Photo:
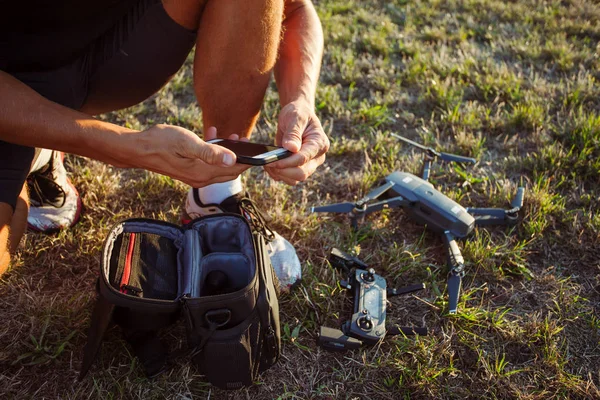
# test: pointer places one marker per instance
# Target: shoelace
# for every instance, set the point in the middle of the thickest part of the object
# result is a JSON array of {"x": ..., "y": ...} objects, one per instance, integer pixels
[
  {"x": 41, "y": 195},
  {"x": 252, "y": 213}
]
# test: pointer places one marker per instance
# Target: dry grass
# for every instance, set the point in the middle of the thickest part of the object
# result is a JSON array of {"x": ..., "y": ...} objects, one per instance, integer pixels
[{"x": 514, "y": 84}]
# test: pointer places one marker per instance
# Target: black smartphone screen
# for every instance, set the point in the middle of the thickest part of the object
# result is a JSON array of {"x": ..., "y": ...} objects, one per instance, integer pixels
[
  {"x": 246, "y": 149},
  {"x": 253, "y": 153}
]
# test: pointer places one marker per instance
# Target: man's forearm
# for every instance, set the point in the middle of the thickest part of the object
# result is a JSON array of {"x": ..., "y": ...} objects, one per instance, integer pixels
[
  {"x": 300, "y": 53},
  {"x": 28, "y": 119}
]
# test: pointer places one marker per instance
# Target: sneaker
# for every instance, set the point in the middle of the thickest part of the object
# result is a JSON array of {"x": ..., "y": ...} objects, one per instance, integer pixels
[
  {"x": 281, "y": 252},
  {"x": 54, "y": 201}
]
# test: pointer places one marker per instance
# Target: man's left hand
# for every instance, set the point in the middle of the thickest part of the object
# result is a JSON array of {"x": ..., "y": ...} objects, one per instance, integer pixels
[{"x": 299, "y": 131}]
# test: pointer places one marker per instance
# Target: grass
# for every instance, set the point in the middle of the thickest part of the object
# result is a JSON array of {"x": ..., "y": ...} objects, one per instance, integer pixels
[{"x": 514, "y": 84}]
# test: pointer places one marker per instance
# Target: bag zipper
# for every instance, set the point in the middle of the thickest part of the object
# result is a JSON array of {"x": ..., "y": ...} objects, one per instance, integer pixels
[
  {"x": 186, "y": 310},
  {"x": 127, "y": 268},
  {"x": 271, "y": 342}
]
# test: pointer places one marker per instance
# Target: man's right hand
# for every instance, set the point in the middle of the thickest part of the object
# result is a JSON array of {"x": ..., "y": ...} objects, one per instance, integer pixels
[{"x": 181, "y": 154}]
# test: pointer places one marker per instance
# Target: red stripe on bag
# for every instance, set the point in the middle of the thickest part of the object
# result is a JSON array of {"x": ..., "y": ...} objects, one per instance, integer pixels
[{"x": 127, "y": 267}]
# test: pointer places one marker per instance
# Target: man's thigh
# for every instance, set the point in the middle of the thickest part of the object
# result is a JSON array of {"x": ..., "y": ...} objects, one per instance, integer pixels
[
  {"x": 124, "y": 66},
  {"x": 135, "y": 58},
  {"x": 127, "y": 64}
]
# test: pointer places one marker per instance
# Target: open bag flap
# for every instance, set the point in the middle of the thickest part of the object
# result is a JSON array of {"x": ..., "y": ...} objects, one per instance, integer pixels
[{"x": 158, "y": 248}]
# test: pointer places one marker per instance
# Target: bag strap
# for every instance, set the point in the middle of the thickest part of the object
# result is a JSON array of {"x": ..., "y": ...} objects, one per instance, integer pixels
[
  {"x": 264, "y": 299},
  {"x": 206, "y": 334},
  {"x": 101, "y": 318}
]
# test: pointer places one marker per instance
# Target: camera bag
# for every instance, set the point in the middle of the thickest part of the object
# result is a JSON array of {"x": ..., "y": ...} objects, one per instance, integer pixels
[{"x": 214, "y": 273}]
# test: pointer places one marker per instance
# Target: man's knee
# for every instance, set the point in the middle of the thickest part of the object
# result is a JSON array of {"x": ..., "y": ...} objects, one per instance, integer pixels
[
  {"x": 247, "y": 33},
  {"x": 185, "y": 12}
]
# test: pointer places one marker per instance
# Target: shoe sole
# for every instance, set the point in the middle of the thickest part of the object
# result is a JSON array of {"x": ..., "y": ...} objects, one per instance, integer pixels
[{"x": 75, "y": 220}]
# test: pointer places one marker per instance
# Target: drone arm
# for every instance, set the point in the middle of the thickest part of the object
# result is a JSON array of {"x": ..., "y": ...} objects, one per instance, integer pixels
[
  {"x": 498, "y": 216},
  {"x": 375, "y": 193},
  {"x": 405, "y": 330},
  {"x": 456, "y": 273},
  {"x": 345, "y": 262},
  {"x": 405, "y": 290},
  {"x": 490, "y": 212},
  {"x": 489, "y": 216},
  {"x": 394, "y": 202}
]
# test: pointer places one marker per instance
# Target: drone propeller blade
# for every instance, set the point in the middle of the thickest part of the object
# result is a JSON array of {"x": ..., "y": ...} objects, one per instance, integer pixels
[
  {"x": 335, "y": 208},
  {"x": 454, "y": 284},
  {"x": 517, "y": 202},
  {"x": 375, "y": 193},
  {"x": 418, "y": 145},
  {"x": 432, "y": 152},
  {"x": 455, "y": 158},
  {"x": 457, "y": 271}
]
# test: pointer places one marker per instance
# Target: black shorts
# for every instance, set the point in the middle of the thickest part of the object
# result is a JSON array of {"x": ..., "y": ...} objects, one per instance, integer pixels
[{"x": 127, "y": 64}]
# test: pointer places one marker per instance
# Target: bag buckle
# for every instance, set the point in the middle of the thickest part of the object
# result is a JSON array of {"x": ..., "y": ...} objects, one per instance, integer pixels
[{"x": 218, "y": 318}]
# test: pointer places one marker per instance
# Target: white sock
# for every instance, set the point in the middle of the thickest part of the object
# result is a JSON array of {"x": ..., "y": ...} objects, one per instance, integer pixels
[
  {"x": 42, "y": 160},
  {"x": 217, "y": 192}
]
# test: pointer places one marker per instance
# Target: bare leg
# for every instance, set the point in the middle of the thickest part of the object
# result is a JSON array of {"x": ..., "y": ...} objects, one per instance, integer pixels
[
  {"x": 6, "y": 214},
  {"x": 236, "y": 51},
  {"x": 12, "y": 227}
]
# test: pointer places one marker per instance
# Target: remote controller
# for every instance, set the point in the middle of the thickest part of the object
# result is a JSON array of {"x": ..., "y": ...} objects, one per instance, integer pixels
[
  {"x": 367, "y": 324},
  {"x": 368, "y": 320}
]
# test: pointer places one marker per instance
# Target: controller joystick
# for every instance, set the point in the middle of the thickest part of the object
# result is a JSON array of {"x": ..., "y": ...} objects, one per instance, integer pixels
[
  {"x": 365, "y": 323},
  {"x": 368, "y": 276}
]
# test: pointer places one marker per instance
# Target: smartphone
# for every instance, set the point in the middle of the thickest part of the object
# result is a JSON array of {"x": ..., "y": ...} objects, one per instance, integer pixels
[{"x": 253, "y": 153}]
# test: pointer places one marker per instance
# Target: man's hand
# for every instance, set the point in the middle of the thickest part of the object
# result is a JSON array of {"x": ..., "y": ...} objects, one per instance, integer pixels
[
  {"x": 180, "y": 154},
  {"x": 300, "y": 131}
]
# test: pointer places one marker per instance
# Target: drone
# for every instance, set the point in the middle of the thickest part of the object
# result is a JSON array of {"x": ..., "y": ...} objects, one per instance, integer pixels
[{"x": 428, "y": 206}]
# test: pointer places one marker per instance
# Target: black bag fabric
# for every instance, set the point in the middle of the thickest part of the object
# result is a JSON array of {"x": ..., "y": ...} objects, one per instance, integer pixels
[{"x": 213, "y": 273}]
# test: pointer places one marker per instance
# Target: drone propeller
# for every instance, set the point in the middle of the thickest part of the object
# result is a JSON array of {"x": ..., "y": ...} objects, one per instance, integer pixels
[
  {"x": 335, "y": 208},
  {"x": 456, "y": 158},
  {"x": 360, "y": 204},
  {"x": 456, "y": 273},
  {"x": 454, "y": 284},
  {"x": 433, "y": 153},
  {"x": 517, "y": 202}
]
